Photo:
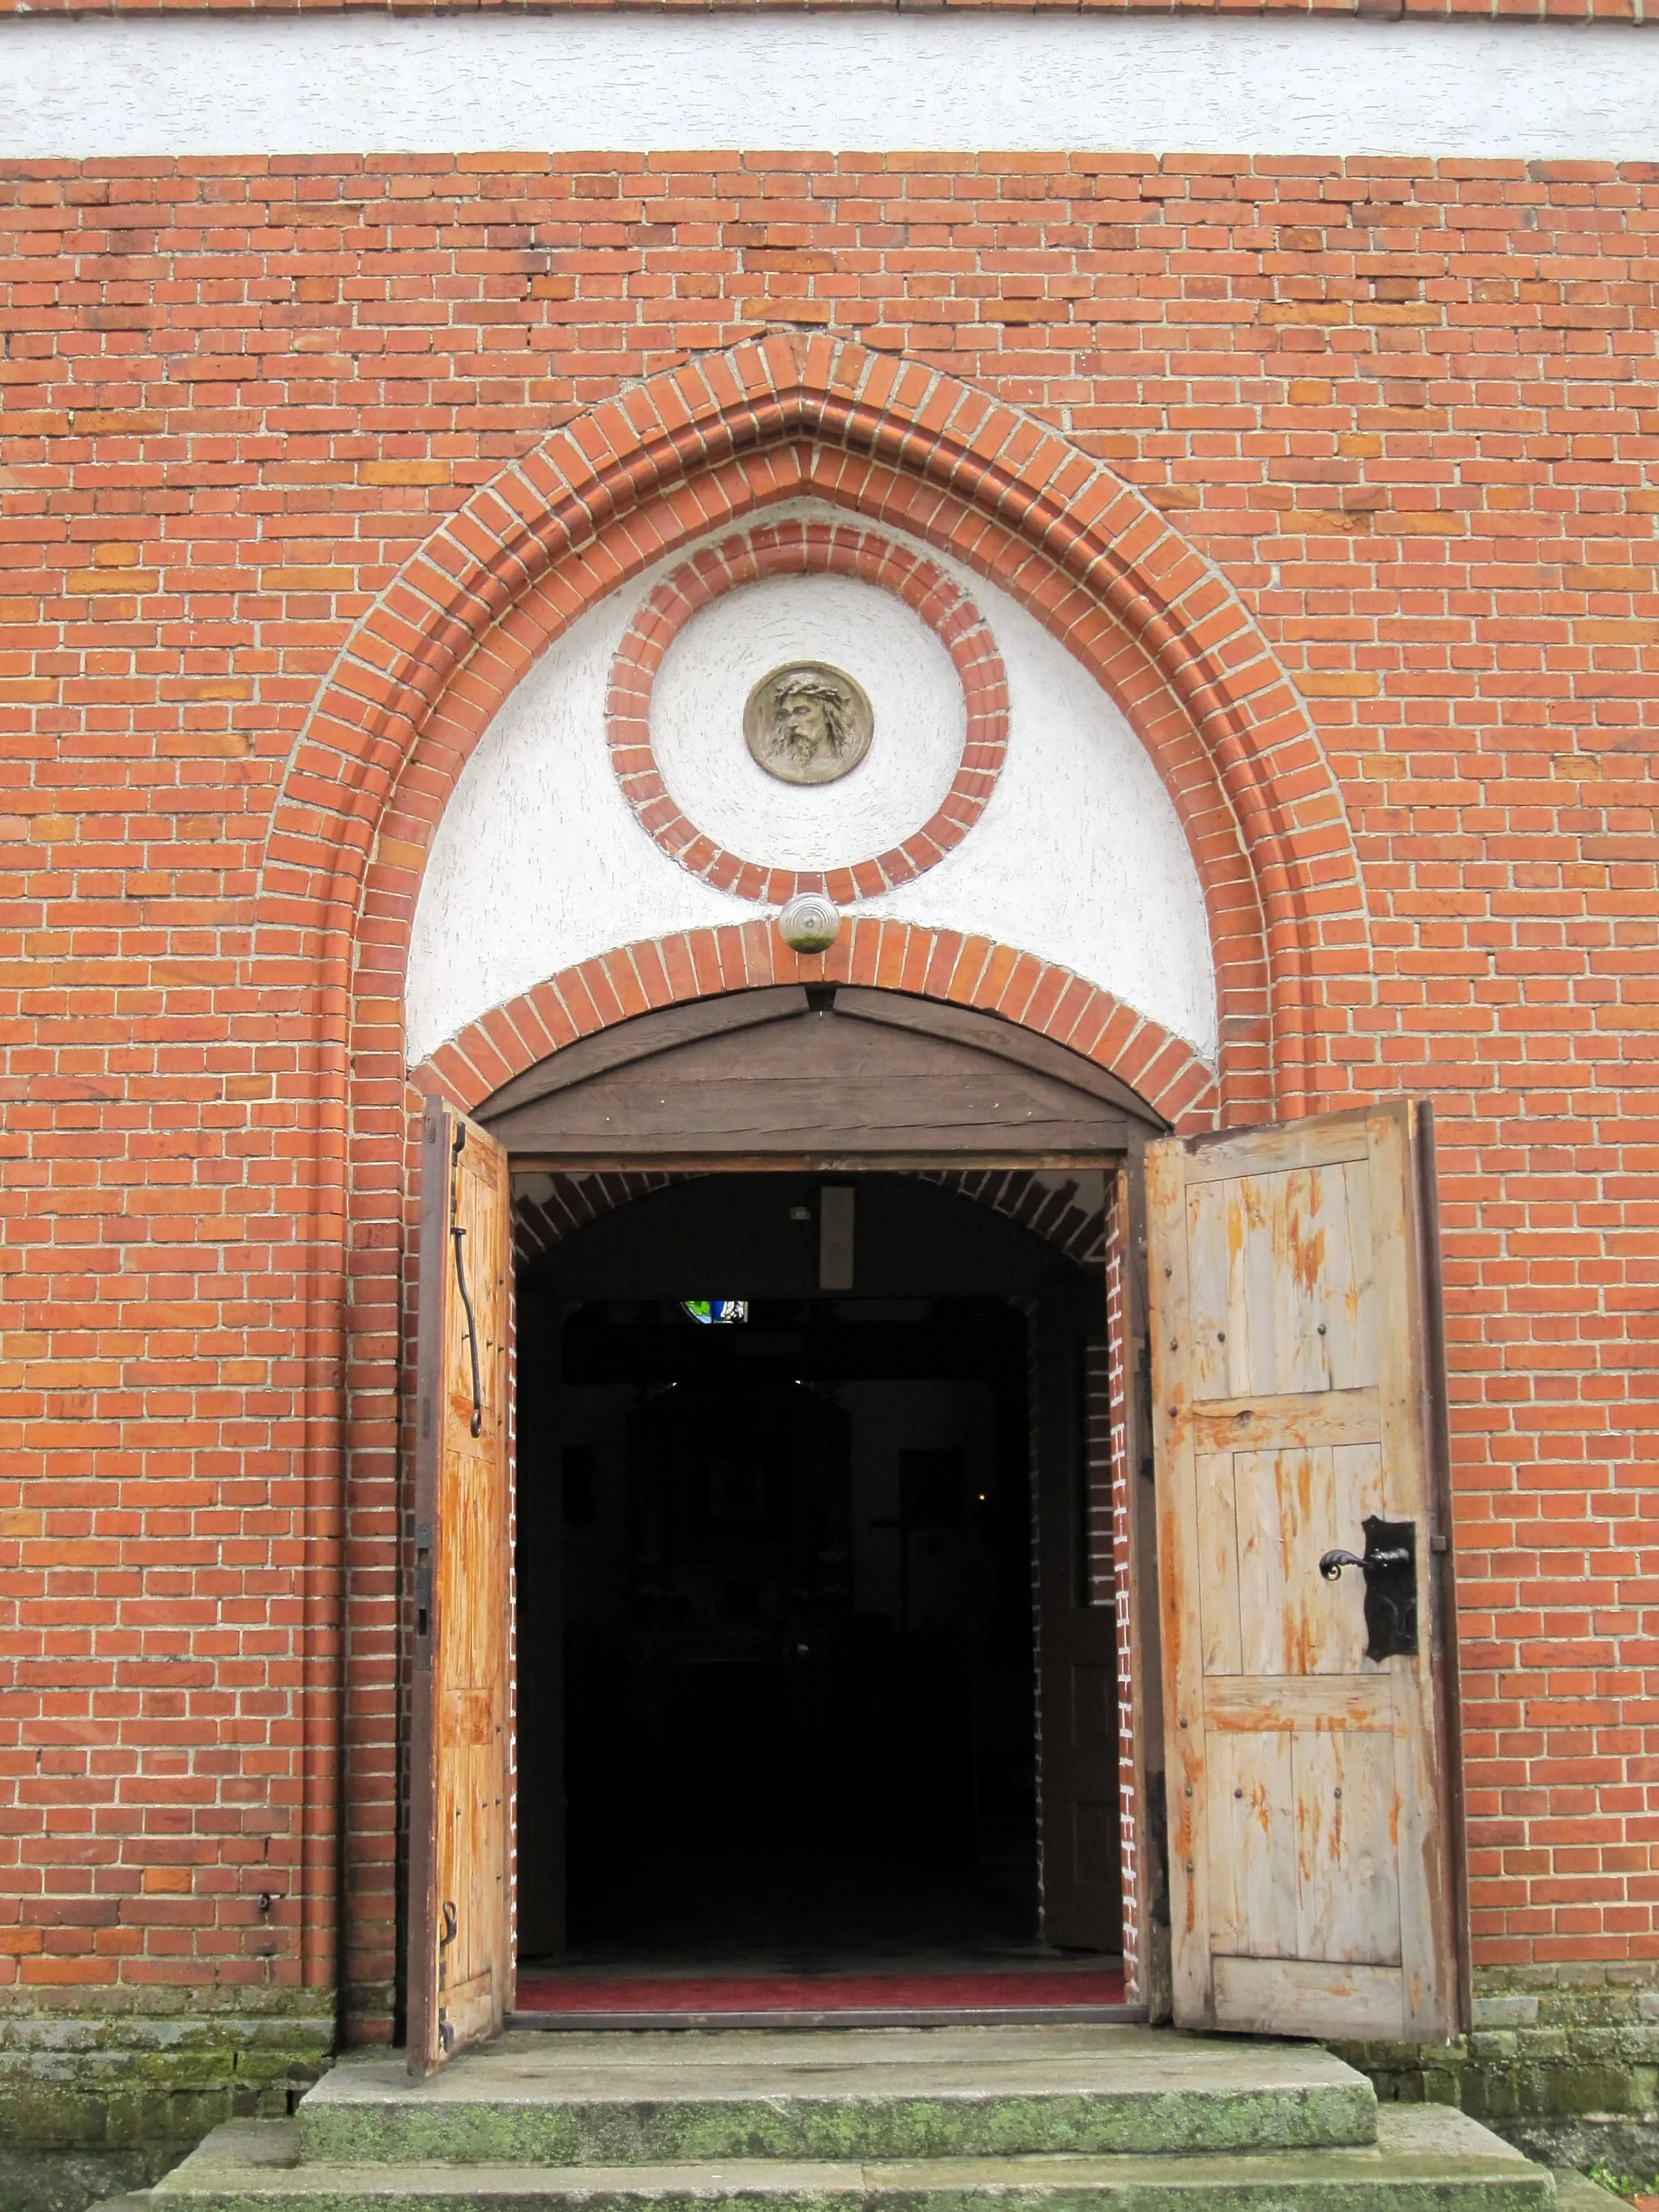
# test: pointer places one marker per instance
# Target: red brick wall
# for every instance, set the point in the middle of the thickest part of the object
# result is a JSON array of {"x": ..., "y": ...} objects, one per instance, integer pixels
[{"x": 1407, "y": 414}]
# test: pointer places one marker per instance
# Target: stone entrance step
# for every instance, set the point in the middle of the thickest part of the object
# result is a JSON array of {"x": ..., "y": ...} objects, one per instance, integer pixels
[
  {"x": 1426, "y": 2158},
  {"x": 859, "y": 2094},
  {"x": 1104, "y": 2119}
]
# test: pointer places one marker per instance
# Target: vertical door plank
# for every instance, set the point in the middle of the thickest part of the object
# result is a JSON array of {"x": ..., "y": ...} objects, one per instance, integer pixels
[
  {"x": 1255, "y": 1286},
  {"x": 1301, "y": 1282},
  {"x": 1217, "y": 1563},
  {"x": 1350, "y": 1307},
  {"x": 1172, "y": 1263},
  {"x": 1258, "y": 1481},
  {"x": 1214, "y": 1345},
  {"x": 1347, "y": 1899},
  {"x": 1138, "y": 1569},
  {"x": 1405, "y": 1414},
  {"x": 1253, "y": 1900}
]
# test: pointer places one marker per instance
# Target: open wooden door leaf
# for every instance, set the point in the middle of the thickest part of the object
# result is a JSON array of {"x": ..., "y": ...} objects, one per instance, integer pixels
[
  {"x": 1298, "y": 1417},
  {"x": 460, "y": 1934}
]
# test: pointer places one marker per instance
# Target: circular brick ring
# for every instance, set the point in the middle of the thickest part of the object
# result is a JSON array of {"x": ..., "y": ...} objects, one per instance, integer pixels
[{"x": 808, "y": 548}]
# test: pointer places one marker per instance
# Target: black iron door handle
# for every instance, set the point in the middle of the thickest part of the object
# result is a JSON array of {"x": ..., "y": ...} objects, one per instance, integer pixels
[
  {"x": 1390, "y": 1567},
  {"x": 1331, "y": 1564}
]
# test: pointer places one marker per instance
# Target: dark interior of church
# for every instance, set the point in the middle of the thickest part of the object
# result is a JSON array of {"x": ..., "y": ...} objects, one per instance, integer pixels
[
  {"x": 798, "y": 1628},
  {"x": 774, "y": 1557}
]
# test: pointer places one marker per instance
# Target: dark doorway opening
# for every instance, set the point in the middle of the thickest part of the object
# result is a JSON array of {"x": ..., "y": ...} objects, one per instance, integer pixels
[
  {"x": 799, "y": 1676},
  {"x": 780, "y": 1588}
]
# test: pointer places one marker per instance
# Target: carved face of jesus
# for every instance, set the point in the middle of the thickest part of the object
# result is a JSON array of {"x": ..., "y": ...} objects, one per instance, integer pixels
[{"x": 808, "y": 725}]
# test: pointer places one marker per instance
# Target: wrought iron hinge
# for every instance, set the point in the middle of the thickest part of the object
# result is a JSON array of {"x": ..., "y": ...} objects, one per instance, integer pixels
[
  {"x": 423, "y": 1579},
  {"x": 457, "y": 1234}
]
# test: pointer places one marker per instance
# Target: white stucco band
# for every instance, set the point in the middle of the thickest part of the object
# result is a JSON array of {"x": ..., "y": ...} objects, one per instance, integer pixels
[
  {"x": 538, "y": 863},
  {"x": 657, "y": 81}
]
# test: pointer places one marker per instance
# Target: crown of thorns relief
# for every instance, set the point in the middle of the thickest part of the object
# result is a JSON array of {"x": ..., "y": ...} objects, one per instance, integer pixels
[{"x": 807, "y": 722}]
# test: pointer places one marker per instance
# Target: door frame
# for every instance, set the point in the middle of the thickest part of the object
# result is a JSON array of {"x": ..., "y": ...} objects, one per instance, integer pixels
[{"x": 1108, "y": 1134}]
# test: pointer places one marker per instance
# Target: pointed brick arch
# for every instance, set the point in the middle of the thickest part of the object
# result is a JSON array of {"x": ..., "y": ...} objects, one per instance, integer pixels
[
  {"x": 657, "y": 467},
  {"x": 681, "y": 454}
]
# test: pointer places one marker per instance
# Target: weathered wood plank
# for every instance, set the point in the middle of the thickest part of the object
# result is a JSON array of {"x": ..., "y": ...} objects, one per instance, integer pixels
[
  {"x": 1138, "y": 1568},
  {"x": 1180, "y": 1621},
  {"x": 1280, "y": 1423},
  {"x": 1248, "y": 1703},
  {"x": 1301, "y": 1296},
  {"x": 1322, "y": 1141},
  {"x": 1428, "y": 1942},
  {"x": 1217, "y": 1564},
  {"x": 804, "y": 1081},
  {"x": 1256, "y": 1288},
  {"x": 1205, "y": 1329},
  {"x": 1351, "y": 1300},
  {"x": 1347, "y": 1886},
  {"x": 1297, "y": 1996},
  {"x": 1253, "y": 1899}
]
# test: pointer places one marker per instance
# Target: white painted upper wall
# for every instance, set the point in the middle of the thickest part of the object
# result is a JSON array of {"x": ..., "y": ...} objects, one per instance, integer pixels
[
  {"x": 643, "y": 83},
  {"x": 539, "y": 863}
]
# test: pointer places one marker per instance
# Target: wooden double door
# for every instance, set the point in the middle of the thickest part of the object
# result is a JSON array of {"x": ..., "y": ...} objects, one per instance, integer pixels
[{"x": 1291, "y": 1802}]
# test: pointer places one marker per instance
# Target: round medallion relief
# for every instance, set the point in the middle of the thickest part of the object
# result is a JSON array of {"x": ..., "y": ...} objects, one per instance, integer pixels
[{"x": 807, "y": 722}]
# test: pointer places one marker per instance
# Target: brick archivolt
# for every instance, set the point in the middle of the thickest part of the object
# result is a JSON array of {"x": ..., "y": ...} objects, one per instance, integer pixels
[{"x": 682, "y": 454}]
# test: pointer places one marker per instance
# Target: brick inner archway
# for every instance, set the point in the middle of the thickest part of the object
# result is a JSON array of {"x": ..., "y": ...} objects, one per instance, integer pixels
[{"x": 894, "y": 956}]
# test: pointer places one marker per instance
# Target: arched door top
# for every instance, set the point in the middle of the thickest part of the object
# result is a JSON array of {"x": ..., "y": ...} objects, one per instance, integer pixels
[
  {"x": 814, "y": 1076},
  {"x": 1043, "y": 1004}
]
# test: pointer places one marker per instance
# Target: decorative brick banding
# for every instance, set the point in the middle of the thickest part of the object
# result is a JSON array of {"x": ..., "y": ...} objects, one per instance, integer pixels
[{"x": 808, "y": 548}]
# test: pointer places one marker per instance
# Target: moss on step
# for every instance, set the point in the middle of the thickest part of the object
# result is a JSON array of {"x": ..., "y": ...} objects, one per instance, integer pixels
[
  {"x": 1561, "y": 2060},
  {"x": 1428, "y": 2160},
  {"x": 91, "y": 2104},
  {"x": 594, "y": 2099}
]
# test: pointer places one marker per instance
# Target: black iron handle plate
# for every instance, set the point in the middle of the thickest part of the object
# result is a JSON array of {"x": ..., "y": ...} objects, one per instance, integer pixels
[{"x": 1390, "y": 1567}]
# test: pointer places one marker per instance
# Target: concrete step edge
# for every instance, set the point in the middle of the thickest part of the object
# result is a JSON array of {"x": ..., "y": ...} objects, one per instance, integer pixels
[
  {"x": 606, "y": 2101},
  {"x": 1428, "y": 2159},
  {"x": 577, "y": 2132}
]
